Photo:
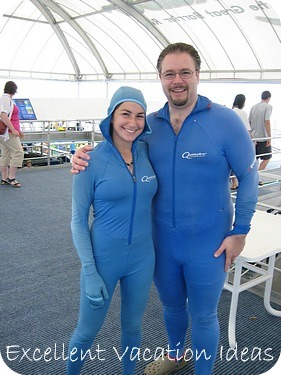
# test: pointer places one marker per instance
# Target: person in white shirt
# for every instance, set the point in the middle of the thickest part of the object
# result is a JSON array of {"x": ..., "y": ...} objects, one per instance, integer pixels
[
  {"x": 259, "y": 119},
  {"x": 238, "y": 105}
]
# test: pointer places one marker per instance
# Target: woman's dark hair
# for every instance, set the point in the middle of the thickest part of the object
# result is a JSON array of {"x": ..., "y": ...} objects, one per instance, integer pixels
[
  {"x": 10, "y": 88},
  {"x": 179, "y": 48},
  {"x": 239, "y": 101}
]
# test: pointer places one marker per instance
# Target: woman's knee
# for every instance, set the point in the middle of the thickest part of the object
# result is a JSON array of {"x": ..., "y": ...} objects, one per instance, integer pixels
[
  {"x": 84, "y": 335},
  {"x": 17, "y": 159},
  {"x": 176, "y": 310},
  {"x": 132, "y": 324}
]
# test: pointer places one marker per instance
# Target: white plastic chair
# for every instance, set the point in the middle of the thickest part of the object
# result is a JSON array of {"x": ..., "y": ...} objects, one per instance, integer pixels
[{"x": 262, "y": 243}]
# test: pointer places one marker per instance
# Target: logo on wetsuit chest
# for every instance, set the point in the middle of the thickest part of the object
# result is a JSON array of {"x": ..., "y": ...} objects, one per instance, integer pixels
[
  {"x": 192, "y": 155},
  {"x": 148, "y": 178}
]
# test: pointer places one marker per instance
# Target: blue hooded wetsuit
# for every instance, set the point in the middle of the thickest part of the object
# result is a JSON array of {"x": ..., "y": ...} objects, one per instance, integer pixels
[
  {"x": 118, "y": 244},
  {"x": 193, "y": 213}
]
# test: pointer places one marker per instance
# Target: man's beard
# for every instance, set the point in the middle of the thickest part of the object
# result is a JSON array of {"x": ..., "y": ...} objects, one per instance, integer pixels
[{"x": 179, "y": 102}]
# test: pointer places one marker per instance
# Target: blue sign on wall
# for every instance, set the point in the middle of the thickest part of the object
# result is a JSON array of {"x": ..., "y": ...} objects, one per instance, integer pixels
[{"x": 26, "y": 111}]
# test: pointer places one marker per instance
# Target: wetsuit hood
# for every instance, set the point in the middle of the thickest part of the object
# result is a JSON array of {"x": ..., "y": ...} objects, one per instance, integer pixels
[{"x": 123, "y": 94}]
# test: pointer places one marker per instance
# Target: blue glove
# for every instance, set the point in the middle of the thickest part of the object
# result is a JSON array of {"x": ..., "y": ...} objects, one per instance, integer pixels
[{"x": 95, "y": 289}]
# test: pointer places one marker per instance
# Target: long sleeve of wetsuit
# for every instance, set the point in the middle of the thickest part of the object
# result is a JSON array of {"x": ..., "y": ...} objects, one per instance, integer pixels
[
  {"x": 241, "y": 156},
  {"x": 82, "y": 196}
]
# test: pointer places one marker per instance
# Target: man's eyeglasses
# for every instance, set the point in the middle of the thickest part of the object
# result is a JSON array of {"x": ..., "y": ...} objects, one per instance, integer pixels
[{"x": 184, "y": 74}]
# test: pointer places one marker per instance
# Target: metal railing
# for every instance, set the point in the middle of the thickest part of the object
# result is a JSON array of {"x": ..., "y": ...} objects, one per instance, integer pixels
[{"x": 51, "y": 145}]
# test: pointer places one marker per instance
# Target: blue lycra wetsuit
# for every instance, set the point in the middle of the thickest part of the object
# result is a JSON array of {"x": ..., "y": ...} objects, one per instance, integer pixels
[
  {"x": 119, "y": 242},
  {"x": 193, "y": 213}
]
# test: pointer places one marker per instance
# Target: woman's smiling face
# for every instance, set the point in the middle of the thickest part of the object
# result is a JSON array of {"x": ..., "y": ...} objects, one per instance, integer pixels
[{"x": 128, "y": 122}]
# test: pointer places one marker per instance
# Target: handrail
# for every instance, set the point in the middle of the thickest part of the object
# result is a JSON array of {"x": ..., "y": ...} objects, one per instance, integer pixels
[
  {"x": 49, "y": 137},
  {"x": 272, "y": 146},
  {"x": 44, "y": 139}
]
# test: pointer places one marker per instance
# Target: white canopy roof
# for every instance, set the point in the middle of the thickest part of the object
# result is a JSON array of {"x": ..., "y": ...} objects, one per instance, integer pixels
[{"x": 121, "y": 39}]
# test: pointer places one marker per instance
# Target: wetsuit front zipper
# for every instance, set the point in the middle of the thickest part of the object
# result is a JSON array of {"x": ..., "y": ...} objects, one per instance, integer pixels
[
  {"x": 133, "y": 208},
  {"x": 174, "y": 181},
  {"x": 176, "y": 137}
]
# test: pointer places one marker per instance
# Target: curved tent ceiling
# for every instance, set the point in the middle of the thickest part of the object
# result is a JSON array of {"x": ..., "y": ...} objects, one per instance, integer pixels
[{"x": 121, "y": 39}]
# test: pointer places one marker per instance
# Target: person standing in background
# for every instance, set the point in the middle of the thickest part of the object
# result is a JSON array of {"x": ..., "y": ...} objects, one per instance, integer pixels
[
  {"x": 11, "y": 148},
  {"x": 259, "y": 119},
  {"x": 238, "y": 105},
  {"x": 72, "y": 149}
]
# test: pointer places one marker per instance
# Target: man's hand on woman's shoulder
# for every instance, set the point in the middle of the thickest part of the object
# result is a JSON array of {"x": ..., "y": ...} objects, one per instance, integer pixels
[{"x": 79, "y": 159}]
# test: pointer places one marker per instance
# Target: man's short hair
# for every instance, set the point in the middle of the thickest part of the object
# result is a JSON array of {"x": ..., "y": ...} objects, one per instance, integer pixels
[
  {"x": 265, "y": 95},
  {"x": 179, "y": 48}
]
